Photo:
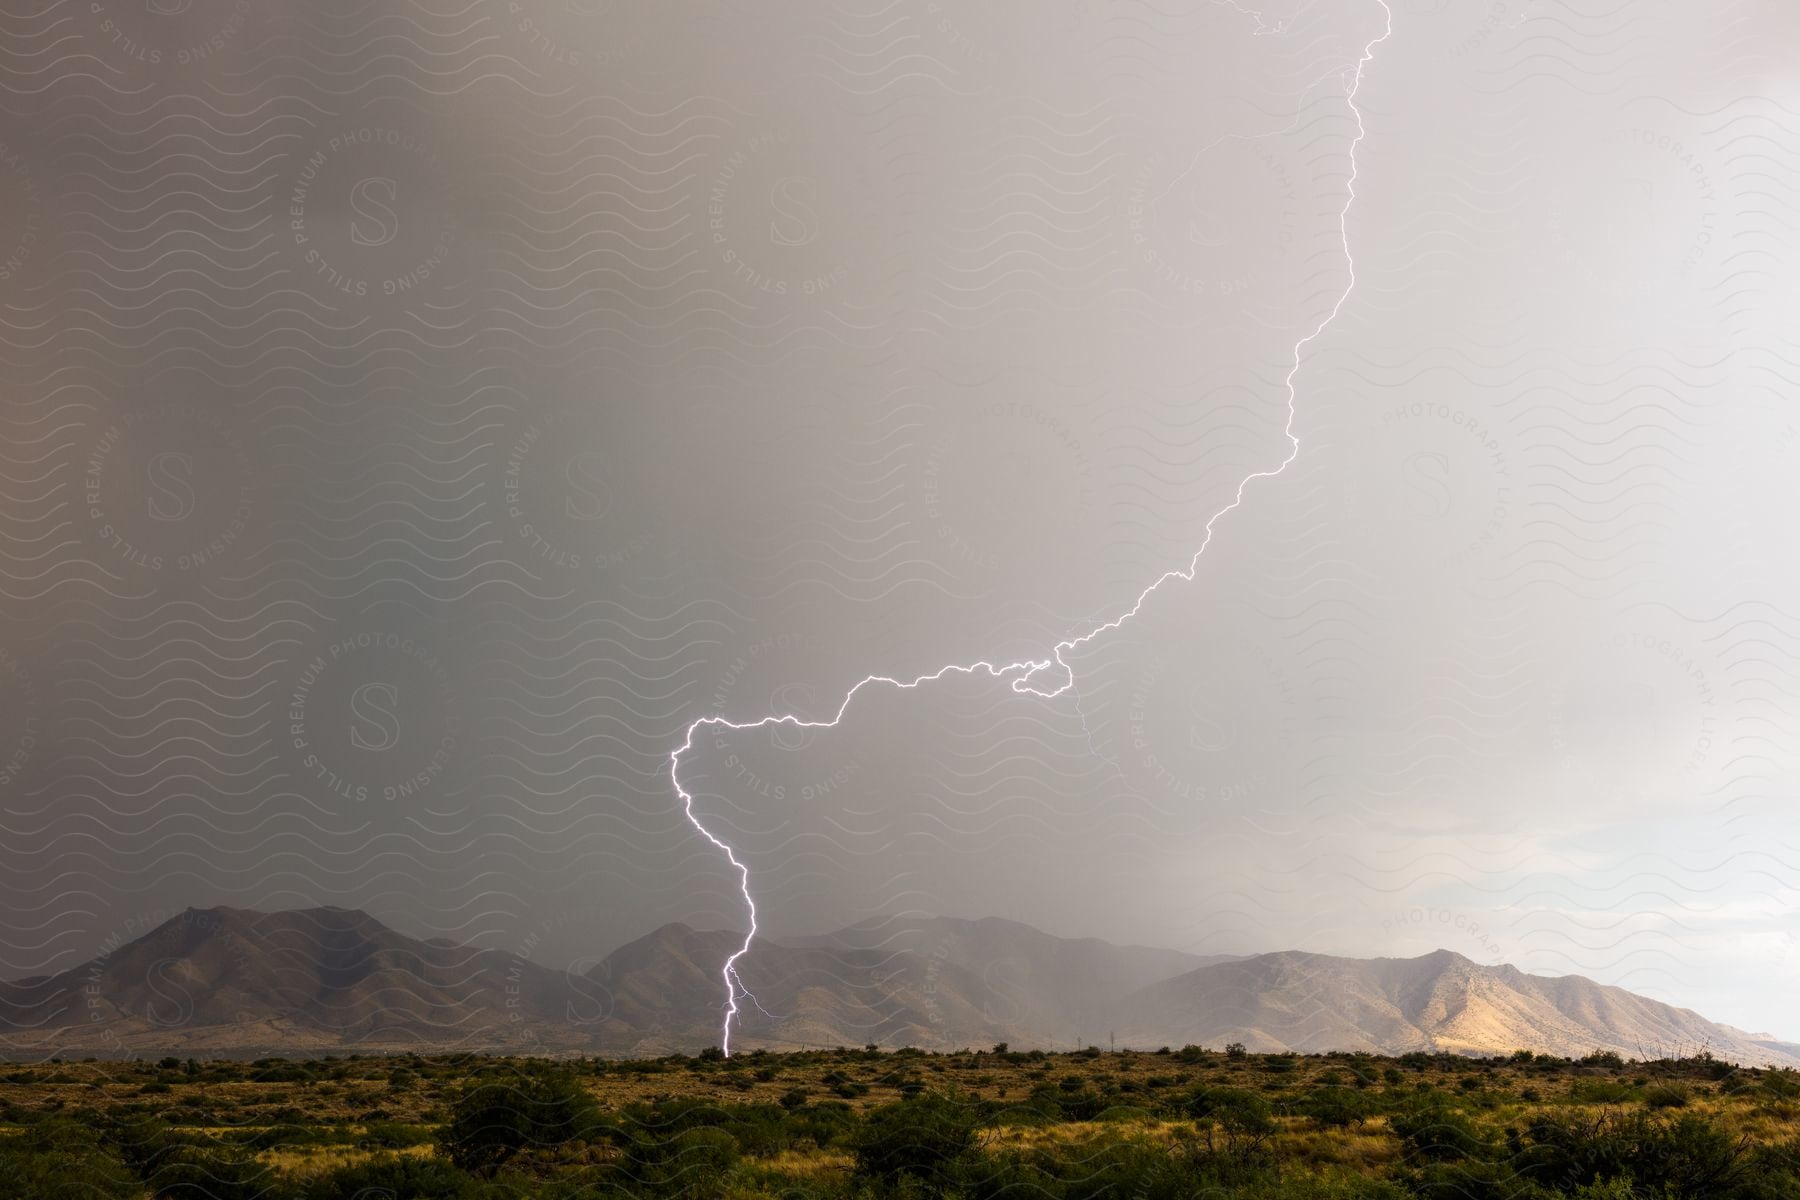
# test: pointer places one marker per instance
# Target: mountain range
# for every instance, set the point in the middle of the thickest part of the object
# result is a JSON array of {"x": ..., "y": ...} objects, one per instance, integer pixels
[{"x": 224, "y": 981}]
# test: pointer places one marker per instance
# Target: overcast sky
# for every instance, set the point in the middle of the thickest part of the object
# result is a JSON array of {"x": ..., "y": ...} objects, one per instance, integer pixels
[{"x": 417, "y": 414}]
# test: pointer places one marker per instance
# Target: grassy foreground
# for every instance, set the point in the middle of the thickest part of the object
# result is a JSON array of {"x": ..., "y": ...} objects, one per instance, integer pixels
[{"x": 867, "y": 1123}]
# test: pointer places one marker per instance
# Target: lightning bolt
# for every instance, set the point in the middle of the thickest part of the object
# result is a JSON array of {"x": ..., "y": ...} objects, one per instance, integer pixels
[{"x": 1029, "y": 670}]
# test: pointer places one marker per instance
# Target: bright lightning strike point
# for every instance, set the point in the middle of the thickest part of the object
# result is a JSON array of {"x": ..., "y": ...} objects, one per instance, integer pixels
[{"x": 1030, "y": 669}]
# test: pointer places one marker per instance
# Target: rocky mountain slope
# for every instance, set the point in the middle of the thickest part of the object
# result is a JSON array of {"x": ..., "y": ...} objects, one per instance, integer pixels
[{"x": 232, "y": 981}]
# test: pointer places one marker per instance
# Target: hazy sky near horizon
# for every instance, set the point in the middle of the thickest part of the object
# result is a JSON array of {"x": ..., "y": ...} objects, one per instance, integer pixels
[{"x": 418, "y": 413}]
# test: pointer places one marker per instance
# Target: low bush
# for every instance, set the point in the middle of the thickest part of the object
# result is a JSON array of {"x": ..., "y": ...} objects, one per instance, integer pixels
[{"x": 927, "y": 1139}]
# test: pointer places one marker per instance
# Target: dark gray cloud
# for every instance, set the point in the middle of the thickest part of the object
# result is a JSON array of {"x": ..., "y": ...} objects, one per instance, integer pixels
[{"x": 417, "y": 415}]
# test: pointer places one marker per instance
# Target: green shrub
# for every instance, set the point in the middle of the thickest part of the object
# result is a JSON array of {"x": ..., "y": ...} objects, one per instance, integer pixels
[
  {"x": 176, "y": 1164},
  {"x": 1233, "y": 1122},
  {"x": 1335, "y": 1107},
  {"x": 1063, "y": 1103},
  {"x": 1600, "y": 1091},
  {"x": 1127, "y": 1167},
  {"x": 1689, "y": 1155},
  {"x": 192, "y": 1173},
  {"x": 685, "y": 1163},
  {"x": 1472, "y": 1179},
  {"x": 1781, "y": 1083},
  {"x": 408, "y": 1176},
  {"x": 496, "y": 1119},
  {"x": 1773, "y": 1173},
  {"x": 1619, "y": 1188},
  {"x": 62, "y": 1159},
  {"x": 925, "y": 1138},
  {"x": 391, "y": 1135},
  {"x": 1005, "y": 1176},
  {"x": 823, "y": 1124},
  {"x": 282, "y": 1072},
  {"x": 1434, "y": 1132}
]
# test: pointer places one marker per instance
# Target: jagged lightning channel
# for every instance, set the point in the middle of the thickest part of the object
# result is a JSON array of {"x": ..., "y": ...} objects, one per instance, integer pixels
[{"x": 1028, "y": 670}]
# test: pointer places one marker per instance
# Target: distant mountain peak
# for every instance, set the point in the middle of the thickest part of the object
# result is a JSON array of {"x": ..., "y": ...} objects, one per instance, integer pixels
[{"x": 225, "y": 979}]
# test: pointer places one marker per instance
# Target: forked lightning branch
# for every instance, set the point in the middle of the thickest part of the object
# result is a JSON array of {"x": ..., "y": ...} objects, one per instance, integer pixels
[{"x": 1048, "y": 677}]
